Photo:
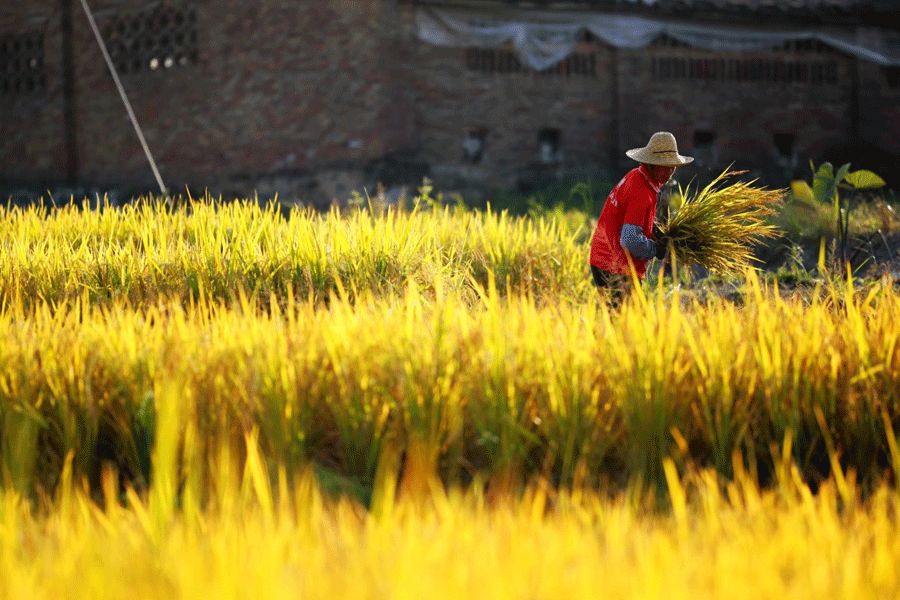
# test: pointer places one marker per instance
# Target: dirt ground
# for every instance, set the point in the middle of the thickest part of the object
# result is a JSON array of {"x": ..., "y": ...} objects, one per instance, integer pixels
[{"x": 871, "y": 256}]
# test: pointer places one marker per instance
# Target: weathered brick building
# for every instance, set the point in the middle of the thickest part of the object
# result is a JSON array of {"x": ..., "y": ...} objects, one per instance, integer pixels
[{"x": 314, "y": 98}]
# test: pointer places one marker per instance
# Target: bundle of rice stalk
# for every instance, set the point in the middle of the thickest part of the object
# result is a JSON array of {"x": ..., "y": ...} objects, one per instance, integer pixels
[{"x": 717, "y": 226}]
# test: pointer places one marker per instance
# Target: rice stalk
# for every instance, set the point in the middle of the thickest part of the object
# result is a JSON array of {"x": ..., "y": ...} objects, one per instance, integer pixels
[{"x": 717, "y": 226}]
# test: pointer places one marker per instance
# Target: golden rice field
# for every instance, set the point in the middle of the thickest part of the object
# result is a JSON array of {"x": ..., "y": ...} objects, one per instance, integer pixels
[
  {"x": 228, "y": 401},
  {"x": 146, "y": 252}
]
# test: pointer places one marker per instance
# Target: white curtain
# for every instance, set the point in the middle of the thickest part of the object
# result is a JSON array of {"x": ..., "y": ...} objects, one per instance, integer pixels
[{"x": 543, "y": 38}]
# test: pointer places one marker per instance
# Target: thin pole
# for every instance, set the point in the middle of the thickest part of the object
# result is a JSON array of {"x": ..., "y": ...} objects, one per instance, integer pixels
[{"x": 124, "y": 96}]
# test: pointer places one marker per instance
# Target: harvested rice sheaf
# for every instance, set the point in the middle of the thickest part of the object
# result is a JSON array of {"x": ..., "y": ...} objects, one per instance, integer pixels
[{"x": 717, "y": 226}]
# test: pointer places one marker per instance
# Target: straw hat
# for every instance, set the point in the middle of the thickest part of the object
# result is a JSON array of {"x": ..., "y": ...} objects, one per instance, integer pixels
[{"x": 660, "y": 150}]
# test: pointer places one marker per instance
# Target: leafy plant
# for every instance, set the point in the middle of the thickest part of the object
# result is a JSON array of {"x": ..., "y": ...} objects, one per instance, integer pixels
[{"x": 826, "y": 186}]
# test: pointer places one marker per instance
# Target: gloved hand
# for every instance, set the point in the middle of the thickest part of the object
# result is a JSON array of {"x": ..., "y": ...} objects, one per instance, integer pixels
[
  {"x": 662, "y": 246},
  {"x": 657, "y": 232}
]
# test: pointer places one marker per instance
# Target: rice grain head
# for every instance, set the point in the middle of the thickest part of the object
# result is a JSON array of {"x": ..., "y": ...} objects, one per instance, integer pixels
[{"x": 717, "y": 226}]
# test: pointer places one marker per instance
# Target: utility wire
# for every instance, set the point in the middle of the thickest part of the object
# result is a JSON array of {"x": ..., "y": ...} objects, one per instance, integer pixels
[{"x": 124, "y": 96}]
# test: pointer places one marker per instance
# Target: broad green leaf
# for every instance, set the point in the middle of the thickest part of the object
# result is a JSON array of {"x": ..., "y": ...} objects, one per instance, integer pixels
[
  {"x": 823, "y": 182},
  {"x": 841, "y": 173},
  {"x": 826, "y": 169},
  {"x": 838, "y": 178},
  {"x": 802, "y": 191},
  {"x": 864, "y": 180}
]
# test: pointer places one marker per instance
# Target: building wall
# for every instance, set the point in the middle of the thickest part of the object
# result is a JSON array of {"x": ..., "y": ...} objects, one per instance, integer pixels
[
  {"x": 726, "y": 107},
  {"x": 879, "y": 110},
  {"x": 315, "y": 99},
  {"x": 32, "y": 132},
  {"x": 512, "y": 109},
  {"x": 879, "y": 105},
  {"x": 277, "y": 90}
]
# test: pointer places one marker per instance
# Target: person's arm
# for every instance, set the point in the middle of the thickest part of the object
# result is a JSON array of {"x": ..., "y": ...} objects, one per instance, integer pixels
[{"x": 636, "y": 243}]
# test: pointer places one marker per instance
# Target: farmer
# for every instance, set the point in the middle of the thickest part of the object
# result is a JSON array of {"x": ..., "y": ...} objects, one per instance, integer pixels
[{"x": 625, "y": 236}]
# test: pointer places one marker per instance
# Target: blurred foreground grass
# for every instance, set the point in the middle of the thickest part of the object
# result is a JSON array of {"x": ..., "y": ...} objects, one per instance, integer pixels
[{"x": 712, "y": 540}]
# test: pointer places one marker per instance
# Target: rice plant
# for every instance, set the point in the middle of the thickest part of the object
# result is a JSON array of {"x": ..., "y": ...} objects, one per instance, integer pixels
[
  {"x": 149, "y": 250},
  {"x": 718, "y": 225},
  {"x": 287, "y": 539},
  {"x": 503, "y": 390},
  {"x": 227, "y": 401}
]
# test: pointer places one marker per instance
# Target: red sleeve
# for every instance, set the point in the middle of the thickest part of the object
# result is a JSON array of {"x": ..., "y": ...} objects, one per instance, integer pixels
[{"x": 637, "y": 203}]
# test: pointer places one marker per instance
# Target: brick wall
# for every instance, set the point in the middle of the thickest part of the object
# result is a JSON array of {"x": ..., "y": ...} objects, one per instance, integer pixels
[
  {"x": 32, "y": 131},
  {"x": 457, "y": 93},
  {"x": 768, "y": 111},
  {"x": 318, "y": 98},
  {"x": 879, "y": 108},
  {"x": 880, "y": 105},
  {"x": 278, "y": 90}
]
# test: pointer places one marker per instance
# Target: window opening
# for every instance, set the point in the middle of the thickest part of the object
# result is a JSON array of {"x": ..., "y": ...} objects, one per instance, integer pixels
[
  {"x": 671, "y": 68},
  {"x": 703, "y": 138},
  {"x": 808, "y": 46},
  {"x": 666, "y": 41},
  {"x": 784, "y": 143},
  {"x": 705, "y": 153},
  {"x": 152, "y": 40},
  {"x": 892, "y": 76},
  {"x": 22, "y": 63},
  {"x": 473, "y": 145},
  {"x": 497, "y": 61},
  {"x": 549, "y": 150}
]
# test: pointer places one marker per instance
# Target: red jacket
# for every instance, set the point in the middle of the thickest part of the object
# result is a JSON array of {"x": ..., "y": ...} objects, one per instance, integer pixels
[{"x": 633, "y": 200}]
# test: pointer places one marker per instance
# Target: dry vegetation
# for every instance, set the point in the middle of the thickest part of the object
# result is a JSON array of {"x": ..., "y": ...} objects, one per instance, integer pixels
[{"x": 718, "y": 225}]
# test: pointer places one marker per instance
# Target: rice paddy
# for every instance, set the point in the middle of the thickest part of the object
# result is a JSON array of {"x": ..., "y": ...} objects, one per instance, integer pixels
[{"x": 224, "y": 400}]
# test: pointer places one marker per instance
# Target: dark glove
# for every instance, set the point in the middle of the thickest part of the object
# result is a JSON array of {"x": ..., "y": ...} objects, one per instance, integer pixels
[{"x": 662, "y": 246}]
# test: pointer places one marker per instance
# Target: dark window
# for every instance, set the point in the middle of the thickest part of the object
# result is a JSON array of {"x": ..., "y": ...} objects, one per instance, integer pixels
[
  {"x": 746, "y": 69},
  {"x": 490, "y": 61},
  {"x": 703, "y": 138},
  {"x": 162, "y": 38},
  {"x": 892, "y": 76},
  {"x": 549, "y": 150},
  {"x": 576, "y": 64},
  {"x": 665, "y": 41},
  {"x": 807, "y": 46},
  {"x": 22, "y": 63},
  {"x": 473, "y": 145},
  {"x": 704, "y": 151},
  {"x": 784, "y": 143}
]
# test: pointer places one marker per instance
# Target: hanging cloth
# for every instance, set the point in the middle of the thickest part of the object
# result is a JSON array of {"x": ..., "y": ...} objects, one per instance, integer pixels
[{"x": 543, "y": 38}]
